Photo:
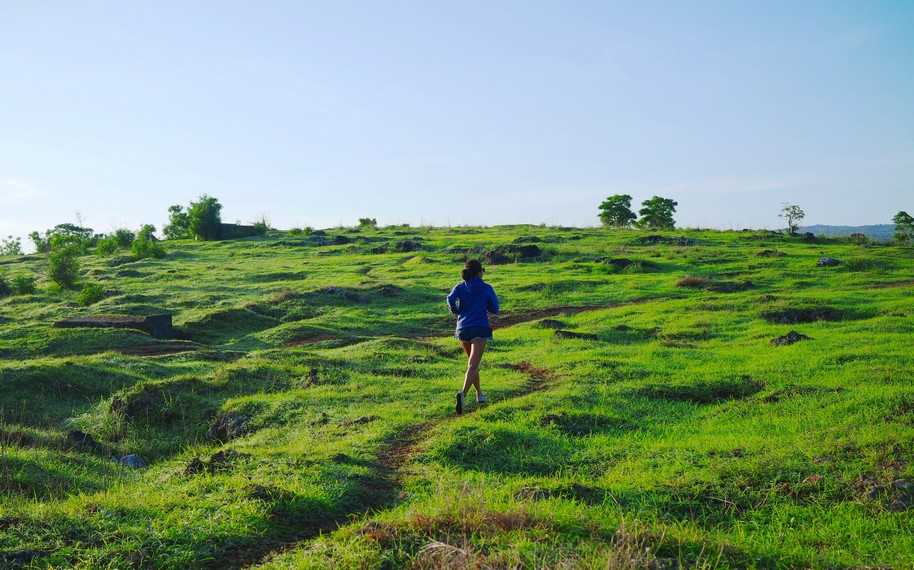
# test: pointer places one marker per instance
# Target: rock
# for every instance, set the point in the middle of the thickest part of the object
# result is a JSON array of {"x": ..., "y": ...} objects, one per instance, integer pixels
[
  {"x": 81, "y": 440},
  {"x": 619, "y": 263},
  {"x": 228, "y": 426},
  {"x": 828, "y": 262},
  {"x": 561, "y": 333},
  {"x": 222, "y": 460},
  {"x": 133, "y": 461},
  {"x": 550, "y": 324},
  {"x": 789, "y": 338},
  {"x": 194, "y": 466}
]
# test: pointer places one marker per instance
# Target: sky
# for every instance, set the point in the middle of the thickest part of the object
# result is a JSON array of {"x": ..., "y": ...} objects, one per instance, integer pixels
[{"x": 423, "y": 112}]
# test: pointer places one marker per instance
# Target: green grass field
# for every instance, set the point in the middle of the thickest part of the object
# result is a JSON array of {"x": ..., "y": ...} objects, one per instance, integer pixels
[{"x": 304, "y": 417}]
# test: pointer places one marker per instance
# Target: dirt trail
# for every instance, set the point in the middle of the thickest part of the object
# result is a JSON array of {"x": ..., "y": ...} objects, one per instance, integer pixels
[{"x": 392, "y": 460}]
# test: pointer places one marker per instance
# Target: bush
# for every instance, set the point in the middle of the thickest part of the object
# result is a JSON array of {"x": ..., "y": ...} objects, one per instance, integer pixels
[
  {"x": 367, "y": 223},
  {"x": 124, "y": 238},
  {"x": 11, "y": 246},
  {"x": 146, "y": 245},
  {"x": 90, "y": 294},
  {"x": 296, "y": 232},
  {"x": 5, "y": 288},
  {"x": 63, "y": 265},
  {"x": 204, "y": 218},
  {"x": 24, "y": 285},
  {"x": 261, "y": 227},
  {"x": 107, "y": 245}
]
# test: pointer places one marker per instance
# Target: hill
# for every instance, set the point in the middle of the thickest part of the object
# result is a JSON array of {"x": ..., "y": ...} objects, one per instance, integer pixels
[
  {"x": 649, "y": 406},
  {"x": 878, "y": 232}
]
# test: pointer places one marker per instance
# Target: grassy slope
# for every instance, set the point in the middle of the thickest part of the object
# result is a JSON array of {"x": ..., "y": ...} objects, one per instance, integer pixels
[{"x": 678, "y": 428}]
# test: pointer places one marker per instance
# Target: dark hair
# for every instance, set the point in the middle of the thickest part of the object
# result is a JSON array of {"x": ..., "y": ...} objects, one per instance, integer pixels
[{"x": 472, "y": 269}]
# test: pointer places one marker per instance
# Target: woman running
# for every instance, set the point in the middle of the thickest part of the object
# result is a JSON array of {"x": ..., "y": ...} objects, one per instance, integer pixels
[{"x": 472, "y": 301}]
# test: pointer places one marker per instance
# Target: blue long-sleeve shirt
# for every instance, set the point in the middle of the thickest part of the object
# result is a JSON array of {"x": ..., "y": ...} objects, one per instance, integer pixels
[{"x": 471, "y": 301}]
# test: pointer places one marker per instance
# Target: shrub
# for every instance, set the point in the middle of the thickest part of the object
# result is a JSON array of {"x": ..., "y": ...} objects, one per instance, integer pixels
[
  {"x": 367, "y": 223},
  {"x": 42, "y": 243},
  {"x": 11, "y": 246},
  {"x": 261, "y": 226},
  {"x": 90, "y": 294},
  {"x": 107, "y": 245},
  {"x": 204, "y": 218},
  {"x": 63, "y": 265},
  {"x": 146, "y": 245},
  {"x": 24, "y": 285},
  {"x": 296, "y": 232},
  {"x": 124, "y": 237},
  {"x": 5, "y": 288}
]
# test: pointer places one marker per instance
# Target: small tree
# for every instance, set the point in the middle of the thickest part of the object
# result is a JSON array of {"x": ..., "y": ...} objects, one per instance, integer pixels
[
  {"x": 792, "y": 214},
  {"x": 11, "y": 246},
  {"x": 124, "y": 237},
  {"x": 63, "y": 265},
  {"x": 657, "y": 213},
  {"x": 178, "y": 224},
  {"x": 616, "y": 211},
  {"x": 204, "y": 218},
  {"x": 107, "y": 245},
  {"x": 904, "y": 227},
  {"x": 24, "y": 285},
  {"x": 368, "y": 223},
  {"x": 146, "y": 245},
  {"x": 41, "y": 242}
]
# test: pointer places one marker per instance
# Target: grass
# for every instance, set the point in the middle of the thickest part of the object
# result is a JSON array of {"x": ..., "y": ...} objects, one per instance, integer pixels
[{"x": 639, "y": 415}]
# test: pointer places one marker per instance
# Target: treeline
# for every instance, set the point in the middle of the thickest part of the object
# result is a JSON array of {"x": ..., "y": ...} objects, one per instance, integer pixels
[{"x": 657, "y": 214}]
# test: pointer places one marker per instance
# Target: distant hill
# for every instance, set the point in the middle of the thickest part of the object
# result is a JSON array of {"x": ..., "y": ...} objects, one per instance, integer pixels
[{"x": 876, "y": 232}]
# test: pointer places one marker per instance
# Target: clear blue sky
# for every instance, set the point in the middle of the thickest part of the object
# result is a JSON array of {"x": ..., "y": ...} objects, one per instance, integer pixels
[{"x": 459, "y": 112}]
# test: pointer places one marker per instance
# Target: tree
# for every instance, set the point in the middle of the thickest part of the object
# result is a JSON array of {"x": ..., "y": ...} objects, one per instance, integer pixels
[
  {"x": 368, "y": 223},
  {"x": 63, "y": 265},
  {"x": 792, "y": 214},
  {"x": 146, "y": 245},
  {"x": 178, "y": 225},
  {"x": 204, "y": 218},
  {"x": 616, "y": 211},
  {"x": 657, "y": 213},
  {"x": 904, "y": 227}
]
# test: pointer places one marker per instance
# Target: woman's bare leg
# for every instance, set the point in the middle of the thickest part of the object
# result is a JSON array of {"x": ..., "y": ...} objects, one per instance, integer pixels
[{"x": 474, "y": 352}]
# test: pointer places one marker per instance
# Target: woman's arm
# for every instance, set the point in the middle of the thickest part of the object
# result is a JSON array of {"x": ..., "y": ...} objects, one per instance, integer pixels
[
  {"x": 452, "y": 303},
  {"x": 492, "y": 302}
]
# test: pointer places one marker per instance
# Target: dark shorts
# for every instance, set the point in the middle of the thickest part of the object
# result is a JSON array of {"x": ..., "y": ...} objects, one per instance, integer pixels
[{"x": 471, "y": 333}]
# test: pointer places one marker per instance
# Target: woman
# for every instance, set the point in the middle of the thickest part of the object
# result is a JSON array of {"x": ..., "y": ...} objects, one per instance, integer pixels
[{"x": 472, "y": 301}]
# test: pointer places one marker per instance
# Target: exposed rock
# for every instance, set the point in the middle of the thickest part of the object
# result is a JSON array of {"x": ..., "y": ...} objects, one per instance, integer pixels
[
  {"x": 789, "y": 338},
  {"x": 228, "y": 426},
  {"x": 770, "y": 253},
  {"x": 510, "y": 253},
  {"x": 828, "y": 262},
  {"x": 133, "y": 461},
  {"x": 550, "y": 324},
  {"x": 81, "y": 440},
  {"x": 194, "y": 466},
  {"x": 561, "y": 333},
  {"x": 658, "y": 239}
]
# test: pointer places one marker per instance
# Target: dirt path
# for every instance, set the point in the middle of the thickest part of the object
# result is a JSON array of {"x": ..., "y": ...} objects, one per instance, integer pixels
[{"x": 386, "y": 488}]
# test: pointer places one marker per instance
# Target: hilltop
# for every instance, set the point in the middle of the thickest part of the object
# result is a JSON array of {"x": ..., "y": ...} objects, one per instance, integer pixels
[
  {"x": 657, "y": 400},
  {"x": 878, "y": 232}
]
